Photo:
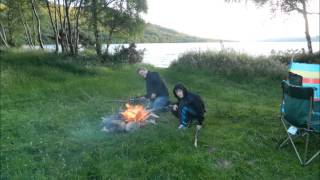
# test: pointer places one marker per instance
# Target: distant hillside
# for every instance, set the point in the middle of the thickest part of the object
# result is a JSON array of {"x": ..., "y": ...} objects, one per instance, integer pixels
[
  {"x": 157, "y": 34},
  {"x": 292, "y": 39},
  {"x": 154, "y": 34}
]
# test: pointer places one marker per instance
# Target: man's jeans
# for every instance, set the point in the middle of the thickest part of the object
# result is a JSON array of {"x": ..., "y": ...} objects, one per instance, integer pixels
[
  {"x": 185, "y": 114},
  {"x": 159, "y": 103}
]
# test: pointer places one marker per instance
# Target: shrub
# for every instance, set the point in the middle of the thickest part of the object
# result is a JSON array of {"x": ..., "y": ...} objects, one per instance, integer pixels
[
  {"x": 231, "y": 63},
  {"x": 287, "y": 56},
  {"x": 125, "y": 55}
]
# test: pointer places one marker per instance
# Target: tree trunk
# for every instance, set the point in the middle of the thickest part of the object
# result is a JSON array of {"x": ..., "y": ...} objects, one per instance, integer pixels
[
  {"x": 61, "y": 31},
  {"x": 306, "y": 23},
  {"x": 67, "y": 6},
  {"x": 38, "y": 23},
  {"x": 9, "y": 38},
  {"x": 95, "y": 26},
  {"x": 26, "y": 27},
  {"x": 65, "y": 34},
  {"x": 56, "y": 23},
  {"x": 3, "y": 36},
  {"x": 27, "y": 34},
  {"x": 53, "y": 27},
  {"x": 76, "y": 38},
  {"x": 34, "y": 31},
  {"x": 109, "y": 38}
]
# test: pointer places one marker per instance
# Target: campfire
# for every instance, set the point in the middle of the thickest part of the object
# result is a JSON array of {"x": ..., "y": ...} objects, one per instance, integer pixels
[
  {"x": 131, "y": 118},
  {"x": 135, "y": 113}
]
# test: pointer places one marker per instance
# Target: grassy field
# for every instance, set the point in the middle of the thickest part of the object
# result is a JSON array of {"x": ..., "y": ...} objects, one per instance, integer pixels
[{"x": 50, "y": 115}]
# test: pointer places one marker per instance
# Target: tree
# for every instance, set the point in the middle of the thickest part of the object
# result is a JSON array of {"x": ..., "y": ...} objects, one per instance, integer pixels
[
  {"x": 69, "y": 32},
  {"x": 54, "y": 23},
  {"x": 301, "y": 7},
  {"x": 3, "y": 9},
  {"x": 94, "y": 9},
  {"x": 64, "y": 22},
  {"x": 15, "y": 18},
  {"x": 33, "y": 5},
  {"x": 114, "y": 16},
  {"x": 3, "y": 36},
  {"x": 11, "y": 30},
  {"x": 123, "y": 18},
  {"x": 288, "y": 6},
  {"x": 22, "y": 6}
]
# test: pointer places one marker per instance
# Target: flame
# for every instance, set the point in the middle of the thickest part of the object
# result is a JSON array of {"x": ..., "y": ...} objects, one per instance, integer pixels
[{"x": 135, "y": 113}]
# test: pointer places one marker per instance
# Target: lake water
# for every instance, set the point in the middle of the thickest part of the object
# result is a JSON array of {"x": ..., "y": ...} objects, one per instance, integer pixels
[{"x": 162, "y": 54}]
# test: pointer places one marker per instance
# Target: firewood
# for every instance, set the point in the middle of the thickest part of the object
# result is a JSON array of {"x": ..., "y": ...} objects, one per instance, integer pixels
[
  {"x": 153, "y": 115},
  {"x": 152, "y": 121}
]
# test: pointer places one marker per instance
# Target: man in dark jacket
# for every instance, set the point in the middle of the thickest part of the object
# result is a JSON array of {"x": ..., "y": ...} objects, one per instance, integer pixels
[
  {"x": 189, "y": 106},
  {"x": 157, "y": 91}
]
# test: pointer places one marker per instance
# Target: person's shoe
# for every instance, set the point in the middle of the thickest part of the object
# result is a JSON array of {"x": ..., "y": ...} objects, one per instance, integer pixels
[{"x": 181, "y": 126}]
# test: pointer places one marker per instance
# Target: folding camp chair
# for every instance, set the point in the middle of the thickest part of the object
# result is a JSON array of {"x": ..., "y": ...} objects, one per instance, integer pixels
[
  {"x": 298, "y": 116},
  {"x": 295, "y": 79}
]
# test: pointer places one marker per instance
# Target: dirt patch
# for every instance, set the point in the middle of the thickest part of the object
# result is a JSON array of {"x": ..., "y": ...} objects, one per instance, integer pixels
[
  {"x": 223, "y": 164},
  {"x": 212, "y": 149}
]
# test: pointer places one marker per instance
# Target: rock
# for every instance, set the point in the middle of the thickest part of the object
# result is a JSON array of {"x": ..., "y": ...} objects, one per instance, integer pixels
[
  {"x": 113, "y": 123},
  {"x": 152, "y": 121},
  {"x": 104, "y": 129},
  {"x": 132, "y": 126}
]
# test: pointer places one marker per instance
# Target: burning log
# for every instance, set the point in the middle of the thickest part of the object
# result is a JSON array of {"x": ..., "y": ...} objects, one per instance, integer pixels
[
  {"x": 131, "y": 119},
  {"x": 132, "y": 126},
  {"x": 135, "y": 113},
  {"x": 153, "y": 115}
]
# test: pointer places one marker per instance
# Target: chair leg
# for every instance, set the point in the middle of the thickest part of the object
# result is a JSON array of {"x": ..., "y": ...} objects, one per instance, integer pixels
[
  {"x": 291, "y": 140},
  {"x": 284, "y": 142},
  {"x": 285, "y": 127},
  {"x": 295, "y": 149},
  {"x": 306, "y": 148},
  {"x": 314, "y": 156},
  {"x": 306, "y": 161}
]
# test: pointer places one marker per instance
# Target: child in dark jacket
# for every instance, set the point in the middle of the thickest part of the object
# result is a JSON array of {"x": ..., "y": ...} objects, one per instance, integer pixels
[{"x": 189, "y": 106}]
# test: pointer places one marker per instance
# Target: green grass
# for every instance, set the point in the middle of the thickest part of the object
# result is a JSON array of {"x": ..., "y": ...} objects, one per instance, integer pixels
[{"x": 50, "y": 115}]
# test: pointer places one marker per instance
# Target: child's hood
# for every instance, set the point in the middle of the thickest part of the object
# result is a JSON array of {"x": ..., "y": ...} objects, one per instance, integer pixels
[{"x": 182, "y": 87}]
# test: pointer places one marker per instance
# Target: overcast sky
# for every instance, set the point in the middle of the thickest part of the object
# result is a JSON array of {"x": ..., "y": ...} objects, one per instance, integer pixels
[{"x": 217, "y": 19}]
